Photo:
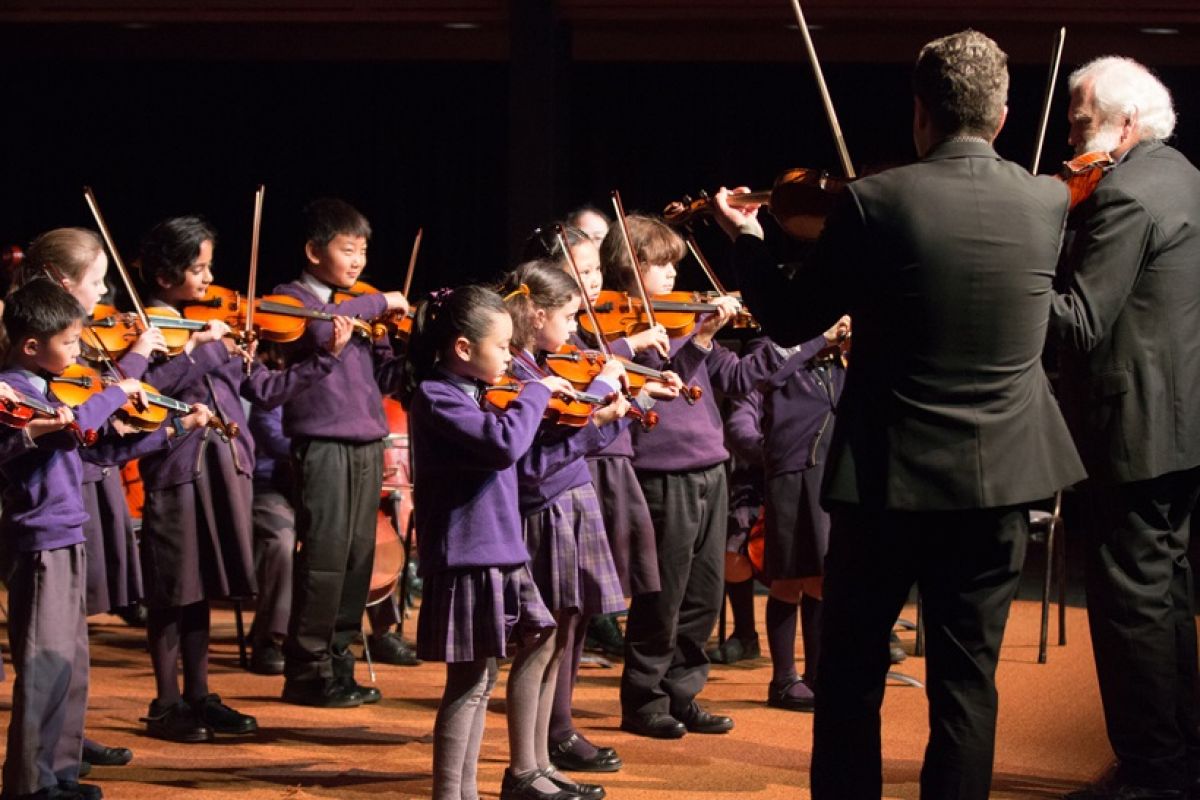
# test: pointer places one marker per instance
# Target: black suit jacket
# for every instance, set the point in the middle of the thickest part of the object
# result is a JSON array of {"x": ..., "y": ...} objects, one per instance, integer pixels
[
  {"x": 946, "y": 266},
  {"x": 1129, "y": 323}
]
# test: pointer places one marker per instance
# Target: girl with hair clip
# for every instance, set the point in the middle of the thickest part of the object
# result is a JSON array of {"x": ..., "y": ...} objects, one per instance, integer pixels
[
  {"x": 564, "y": 528},
  {"x": 480, "y": 601},
  {"x": 196, "y": 525},
  {"x": 627, "y": 520},
  {"x": 75, "y": 259},
  {"x": 680, "y": 466}
]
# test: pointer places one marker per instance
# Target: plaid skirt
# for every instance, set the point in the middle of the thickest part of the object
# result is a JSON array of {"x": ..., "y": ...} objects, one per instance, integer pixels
[
  {"x": 796, "y": 527},
  {"x": 477, "y": 612},
  {"x": 569, "y": 555}
]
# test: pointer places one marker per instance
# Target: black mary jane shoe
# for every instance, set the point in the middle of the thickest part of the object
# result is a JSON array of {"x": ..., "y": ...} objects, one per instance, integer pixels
[
  {"x": 780, "y": 695},
  {"x": 522, "y": 788},
  {"x": 588, "y": 791},
  {"x": 563, "y": 756}
]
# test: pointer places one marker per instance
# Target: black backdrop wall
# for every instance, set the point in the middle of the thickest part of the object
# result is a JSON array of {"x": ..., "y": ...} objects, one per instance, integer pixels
[{"x": 428, "y": 144}]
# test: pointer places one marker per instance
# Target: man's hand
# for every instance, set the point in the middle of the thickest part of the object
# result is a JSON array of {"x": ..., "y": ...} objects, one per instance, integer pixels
[{"x": 735, "y": 221}]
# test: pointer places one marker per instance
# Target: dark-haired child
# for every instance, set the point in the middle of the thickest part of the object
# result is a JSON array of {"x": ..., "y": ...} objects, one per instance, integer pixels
[
  {"x": 564, "y": 528},
  {"x": 627, "y": 522},
  {"x": 196, "y": 525},
  {"x": 337, "y": 429},
  {"x": 680, "y": 465},
  {"x": 479, "y": 598},
  {"x": 43, "y": 542}
]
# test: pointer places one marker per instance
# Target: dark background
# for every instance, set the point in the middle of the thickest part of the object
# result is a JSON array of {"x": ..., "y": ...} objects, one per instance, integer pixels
[{"x": 533, "y": 112}]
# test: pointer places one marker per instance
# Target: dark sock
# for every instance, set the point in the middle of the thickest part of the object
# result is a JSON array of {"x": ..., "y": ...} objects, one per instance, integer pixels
[
  {"x": 193, "y": 646},
  {"x": 162, "y": 636},
  {"x": 810, "y": 624},
  {"x": 741, "y": 600},
  {"x": 781, "y": 638}
]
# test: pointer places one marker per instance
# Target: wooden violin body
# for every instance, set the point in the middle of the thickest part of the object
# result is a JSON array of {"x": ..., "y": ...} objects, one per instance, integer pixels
[
  {"x": 277, "y": 317},
  {"x": 620, "y": 314},
  {"x": 580, "y": 368},
  {"x": 1083, "y": 173},
  {"x": 800, "y": 201},
  {"x": 393, "y": 322}
]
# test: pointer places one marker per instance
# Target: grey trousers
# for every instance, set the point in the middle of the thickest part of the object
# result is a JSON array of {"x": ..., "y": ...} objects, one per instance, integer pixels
[
  {"x": 47, "y": 630},
  {"x": 274, "y": 548}
]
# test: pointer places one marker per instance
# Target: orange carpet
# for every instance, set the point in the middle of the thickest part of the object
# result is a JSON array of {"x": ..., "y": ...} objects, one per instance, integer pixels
[{"x": 1050, "y": 738}]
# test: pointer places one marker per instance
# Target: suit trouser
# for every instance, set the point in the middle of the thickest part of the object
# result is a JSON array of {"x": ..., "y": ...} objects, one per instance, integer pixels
[
  {"x": 1140, "y": 611},
  {"x": 967, "y": 565},
  {"x": 337, "y": 500},
  {"x": 274, "y": 549},
  {"x": 47, "y": 630},
  {"x": 666, "y": 631}
]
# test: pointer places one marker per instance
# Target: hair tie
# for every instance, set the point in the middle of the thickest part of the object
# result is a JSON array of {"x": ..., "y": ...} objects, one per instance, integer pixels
[
  {"x": 523, "y": 289},
  {"x": 438, "y": 297}
]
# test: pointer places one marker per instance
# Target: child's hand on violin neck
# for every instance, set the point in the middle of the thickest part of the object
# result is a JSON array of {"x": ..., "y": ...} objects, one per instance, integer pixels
[
  {"x": 667, "y": 389},
  {"x": 613, "y": 372},
  {"x": 612, "y": 412},
  {"x": 727, "y": 309},
  {"x": 38, "y": 426},
  {"x": 216, "y": 329},
  {"x": 558, "y": 385},
  {"x": 198, "y": 417},
  {"x": 396, "y": 302},
  {"x": 343, "y": 328}
]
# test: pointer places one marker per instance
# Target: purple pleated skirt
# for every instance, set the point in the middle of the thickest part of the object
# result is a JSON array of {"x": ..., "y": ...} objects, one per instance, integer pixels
[{"x": 114, "y": 571}]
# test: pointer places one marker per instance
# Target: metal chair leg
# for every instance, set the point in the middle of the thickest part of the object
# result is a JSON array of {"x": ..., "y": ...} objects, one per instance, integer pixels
[{"x": 243, "y": 659}]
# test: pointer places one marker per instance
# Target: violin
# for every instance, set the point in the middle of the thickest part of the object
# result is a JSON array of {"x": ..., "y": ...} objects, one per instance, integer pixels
[
  {"x": 112, "y": 333},
  {"x": 574, "y": 409},
  {"x": 19, "y": 414},
  {"x": 1083, "y": 173},
  {"x": 277, "y": 317},
  {"x": 800, "y": 201},
  {"x": 580, "y": 368},
  {"x": 77, "y": 383},
  {"x": 394, "y": 322},
  {"x": 619, "y": 314}
]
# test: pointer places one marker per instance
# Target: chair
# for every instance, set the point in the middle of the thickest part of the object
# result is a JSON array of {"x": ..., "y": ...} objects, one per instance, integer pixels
[{"x": 1044, "y": 527}]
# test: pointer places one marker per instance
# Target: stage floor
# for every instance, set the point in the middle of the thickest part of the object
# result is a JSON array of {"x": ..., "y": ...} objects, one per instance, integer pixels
[{"x": 1050, "y": 739}]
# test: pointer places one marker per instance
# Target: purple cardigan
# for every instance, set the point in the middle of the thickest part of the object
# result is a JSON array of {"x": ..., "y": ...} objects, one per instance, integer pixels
[
  {"x": 222, "y": 390},
  {"x": 556, "y": 463},
  {"x": 43, "y": 500},
  {"x": 795, "y": 405},
  {"x": 465, "y": 459},
  {"x": 691, "y": 437},
  {"x": 349, "y": 405}
]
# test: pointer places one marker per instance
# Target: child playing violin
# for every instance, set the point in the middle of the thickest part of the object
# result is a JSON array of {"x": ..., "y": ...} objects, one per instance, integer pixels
[
  {"x": 196, "y": 525},
  {"x": 337, "y": 427},
  {"x": 43, "y": 540},
  {"x": 75, "y": 258},
  {"x": 627, "y": 521},
  {"x": 564, "y": 528},
  {"x": 479, "y": 600},
  {"x": 680, "y": 467}
]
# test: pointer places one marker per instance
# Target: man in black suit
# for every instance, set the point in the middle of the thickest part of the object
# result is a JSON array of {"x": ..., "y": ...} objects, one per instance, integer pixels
[
  {"x": 1128, "y": 327},
  {"x": 946, "y": 430}
]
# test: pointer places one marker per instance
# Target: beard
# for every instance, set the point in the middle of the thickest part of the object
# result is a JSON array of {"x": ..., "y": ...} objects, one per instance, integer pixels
[{"x": 1104, "y": 140}]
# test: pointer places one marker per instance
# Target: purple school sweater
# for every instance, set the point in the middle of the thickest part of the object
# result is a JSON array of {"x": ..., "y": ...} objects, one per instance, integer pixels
[
  {"x": 556, "y": 461},
  {"x": 222, "y": 389},
  {"x": 797, "y": 402},
  {"x": 691, "y": 437},
  {"x": 622, "y": 445},
  {"x": 348, "y": 405},
  {"x": 465, "y": 459},
  {"x": 42, "y": 495}
]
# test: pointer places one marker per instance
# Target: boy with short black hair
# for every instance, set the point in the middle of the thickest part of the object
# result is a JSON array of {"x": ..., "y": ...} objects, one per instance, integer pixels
[
  {"x": 43, "y": 542},
  {"x": 337, "y": 427}
]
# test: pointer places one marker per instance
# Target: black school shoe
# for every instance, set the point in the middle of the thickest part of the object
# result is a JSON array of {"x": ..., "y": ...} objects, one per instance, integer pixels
[
  {"x": 221, "y": 718},
  {"x": 266, "y": 658},
  {"x": 102, "y": 756},
  {"x": 49, "y": 793},
  {"x": 85, "y": 791},
  {"x": 366, "y": 694},
  {"x": 391, "y": 649},
  {"x": 176, "y": 723},
  {"x": 564, "y": 756},
  {"x": 588, "y": 791},
  {"x": 320, "y": 694},
  {"x": 522, "y": 788},
  {"x": 697, "y": 720}
]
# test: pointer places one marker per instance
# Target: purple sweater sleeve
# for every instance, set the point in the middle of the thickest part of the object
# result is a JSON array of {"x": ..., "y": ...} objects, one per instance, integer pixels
[
  {"x": 269, "y": 388},
  {"x": 743, "y": 428},
  {"x": 95, "y": 411},
  {"x": 174, "y": 374},
  {"x": 114, "y": 450},
  {"x": 496, "y": 440}
]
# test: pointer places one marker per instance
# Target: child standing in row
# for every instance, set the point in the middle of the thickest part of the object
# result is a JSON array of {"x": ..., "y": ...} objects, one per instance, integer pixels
[{"x": 480, "y": 602}]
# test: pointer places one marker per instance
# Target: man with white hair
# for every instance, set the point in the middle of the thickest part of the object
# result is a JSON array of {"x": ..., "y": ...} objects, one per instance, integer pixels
[{"x": 1128, "y": 327}]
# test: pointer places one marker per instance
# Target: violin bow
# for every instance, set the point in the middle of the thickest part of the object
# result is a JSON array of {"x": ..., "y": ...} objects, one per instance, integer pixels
[
  {"x": 694, "y": 249},
  {"x": 838, "y": 140},
  {"x": 412, "y": 261},
  {"x": 1048, "y": 100},
  {"x": 248, "y": 330},
  {"x": 138, "y": 308}
]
